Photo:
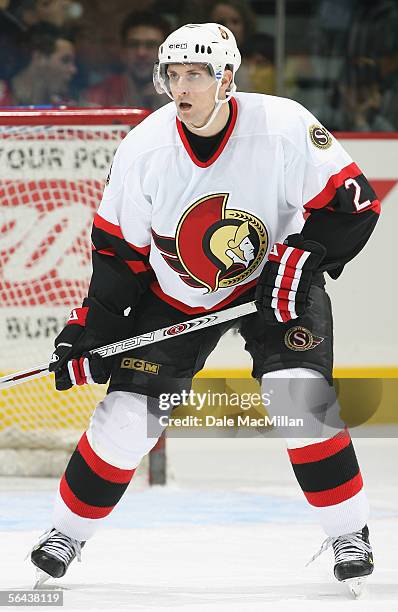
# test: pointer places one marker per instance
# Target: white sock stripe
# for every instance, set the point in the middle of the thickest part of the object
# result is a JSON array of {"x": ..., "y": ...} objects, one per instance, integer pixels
[
  {"x": 278, "y": 315},
  {"x": 71, "y": 372},
  {"x": 345, "y": 517},
  {"x": 87, "y": 371}
]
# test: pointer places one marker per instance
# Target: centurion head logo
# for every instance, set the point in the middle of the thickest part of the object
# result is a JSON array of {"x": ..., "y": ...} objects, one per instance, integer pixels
[{"x": 214, "y": 247}]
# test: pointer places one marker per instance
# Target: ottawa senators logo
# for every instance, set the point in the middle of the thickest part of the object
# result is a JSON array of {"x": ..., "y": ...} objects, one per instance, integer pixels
[
  {"x": 301, "y": 339},
  {"x": 214, "y": 247}
]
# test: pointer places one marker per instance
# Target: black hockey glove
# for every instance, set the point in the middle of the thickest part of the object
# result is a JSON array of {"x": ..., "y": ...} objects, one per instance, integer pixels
[
  {"x": 285, "y": 281},
  {"x": 88, "y": 327}
]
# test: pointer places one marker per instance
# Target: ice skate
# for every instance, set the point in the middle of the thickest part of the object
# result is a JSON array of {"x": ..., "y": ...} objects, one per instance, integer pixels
[
  {"x": 53, "y": 554},
  {"x": 353, "y": 559}
]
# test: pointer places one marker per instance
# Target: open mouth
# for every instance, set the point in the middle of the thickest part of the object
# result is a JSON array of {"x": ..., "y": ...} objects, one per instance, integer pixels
[{"x": 185, "y": 106}]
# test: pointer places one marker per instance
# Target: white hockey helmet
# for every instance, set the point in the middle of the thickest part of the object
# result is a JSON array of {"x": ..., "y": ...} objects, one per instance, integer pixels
[{"x": 198, "y": 43}]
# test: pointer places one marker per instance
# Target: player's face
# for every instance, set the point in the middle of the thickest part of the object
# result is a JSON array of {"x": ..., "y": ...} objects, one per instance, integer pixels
[{"x": 193, "y": 89}]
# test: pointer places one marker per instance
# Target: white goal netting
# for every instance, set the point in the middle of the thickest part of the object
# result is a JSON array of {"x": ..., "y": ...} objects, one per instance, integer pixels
[{"x": 53, "y": 166}]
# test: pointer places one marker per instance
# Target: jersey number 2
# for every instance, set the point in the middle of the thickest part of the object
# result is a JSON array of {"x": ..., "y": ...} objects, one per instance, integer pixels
[{"x": 357, "y": 194}]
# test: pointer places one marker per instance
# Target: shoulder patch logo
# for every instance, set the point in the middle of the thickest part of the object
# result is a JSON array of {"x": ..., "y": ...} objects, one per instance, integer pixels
[
  {"x": 320, "y": 137},
  {"x": 301, "y": 339}
]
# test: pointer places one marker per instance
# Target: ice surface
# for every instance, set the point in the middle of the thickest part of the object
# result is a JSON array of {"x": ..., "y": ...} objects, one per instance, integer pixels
[{"x": 231, "y": 533}]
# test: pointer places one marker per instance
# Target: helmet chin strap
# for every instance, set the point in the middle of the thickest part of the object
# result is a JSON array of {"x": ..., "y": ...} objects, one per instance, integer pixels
[{"x": 217, "y": 106}]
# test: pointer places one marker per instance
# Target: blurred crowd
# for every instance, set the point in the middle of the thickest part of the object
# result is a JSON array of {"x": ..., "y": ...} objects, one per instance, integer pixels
[{"x": 343, "y": 67}]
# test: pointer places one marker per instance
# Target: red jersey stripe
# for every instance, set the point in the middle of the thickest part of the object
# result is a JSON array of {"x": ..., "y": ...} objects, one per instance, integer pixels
[
  {"x": 107, "y": 226},
  {"x": 192, "y": 310},
  {"x": 138, "y": 266},
  {"x": 335, "y": 181},
  {"x": 110, "y": 228},
  {"x": 330, "y": 497},
  {"x": 109, "y": 252},
  {"x": 320, "y": 450},
  {"x": 78, "y": 507},
  {"x": 100, "y": 467}
]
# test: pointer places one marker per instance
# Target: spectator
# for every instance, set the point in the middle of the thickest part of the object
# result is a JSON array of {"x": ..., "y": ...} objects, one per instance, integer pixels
[
  {"x": 16, "y": 17},
  {"x": 141, "y": 35},
  {"x": 53, "y": 11},
  {"x": 240, "y": 19},
  {"x": 358, "y": 99},
  {"x": 260, "y": 63},
  {"x": 46, "y": 78},
  {"x": 237, "y": 16}
]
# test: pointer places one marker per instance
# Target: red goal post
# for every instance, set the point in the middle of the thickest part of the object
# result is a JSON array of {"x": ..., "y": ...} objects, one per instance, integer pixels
[{"x": 53, "y": 167}]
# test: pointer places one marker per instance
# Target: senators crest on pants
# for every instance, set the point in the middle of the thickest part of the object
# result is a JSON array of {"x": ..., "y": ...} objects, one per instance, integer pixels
[{"x": 214, "y": 246}]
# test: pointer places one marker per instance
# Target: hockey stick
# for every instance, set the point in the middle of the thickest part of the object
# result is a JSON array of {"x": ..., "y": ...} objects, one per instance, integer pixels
[{"x": 158, "y": 335}]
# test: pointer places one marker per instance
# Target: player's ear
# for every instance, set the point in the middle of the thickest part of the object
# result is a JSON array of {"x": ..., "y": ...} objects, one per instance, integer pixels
[{"x": 227, "y": 79}]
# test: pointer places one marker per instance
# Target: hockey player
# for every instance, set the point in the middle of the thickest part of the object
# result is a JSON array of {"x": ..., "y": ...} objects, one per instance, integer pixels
[{"x": 213, "y": 199}]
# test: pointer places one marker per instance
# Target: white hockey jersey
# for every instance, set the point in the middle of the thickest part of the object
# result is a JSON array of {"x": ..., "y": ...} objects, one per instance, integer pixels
[{"x": 205, "y": 228}]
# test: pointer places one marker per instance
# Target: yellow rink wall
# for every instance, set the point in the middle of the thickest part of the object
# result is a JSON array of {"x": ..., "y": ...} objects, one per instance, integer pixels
[{"x": 367, "y": 395}]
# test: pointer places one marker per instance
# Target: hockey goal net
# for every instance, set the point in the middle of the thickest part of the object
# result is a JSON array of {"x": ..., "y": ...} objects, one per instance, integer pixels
[{"x": 53, "y": 167}]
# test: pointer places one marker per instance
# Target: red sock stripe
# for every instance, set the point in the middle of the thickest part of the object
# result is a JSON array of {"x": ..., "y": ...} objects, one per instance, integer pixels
[
  {"x": 330, "y": 497},
  {"x": 320, "y": 450},
  {"x": 78, "y": 507},
  {"x": 100, "y": 467}
]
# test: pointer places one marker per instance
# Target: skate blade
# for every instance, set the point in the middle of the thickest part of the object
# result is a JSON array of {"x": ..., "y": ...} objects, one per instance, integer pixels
[
  {"x": 41, "y": 578},
  {"x": 357, "y": 586}
]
